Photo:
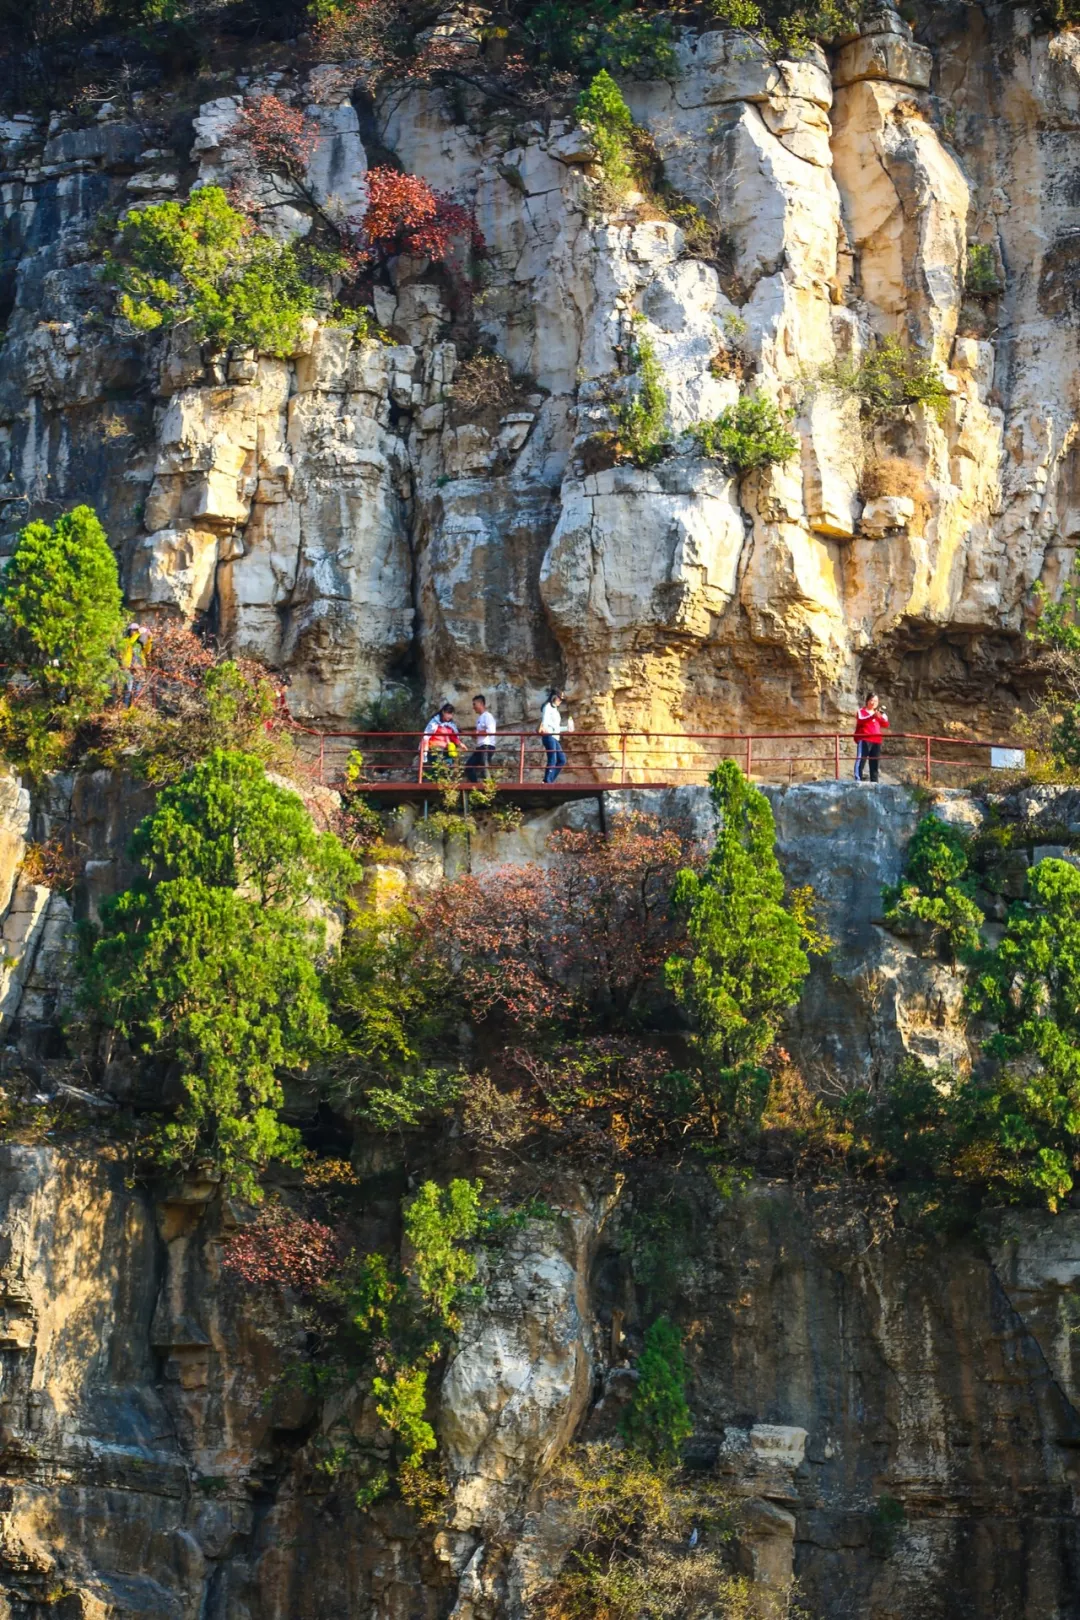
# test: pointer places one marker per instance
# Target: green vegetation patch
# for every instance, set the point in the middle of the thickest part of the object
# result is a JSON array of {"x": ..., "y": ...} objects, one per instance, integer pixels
[
  {"x": 208, "y": 963},
  {"x": 748, "y": 436},
  {"x": 204, "y": 265},
  {"x": 60, "y": 623},
  {"x": 889, "y": 380}
]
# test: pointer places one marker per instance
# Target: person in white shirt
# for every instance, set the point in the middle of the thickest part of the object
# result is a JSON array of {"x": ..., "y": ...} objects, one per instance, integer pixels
[
  {"x": 552, "y": 727},
  {"x": 478, "y": 764}
]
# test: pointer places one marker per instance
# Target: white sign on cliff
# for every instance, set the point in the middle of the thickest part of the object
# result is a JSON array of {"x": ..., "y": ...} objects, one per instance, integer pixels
[{"x": 1007, "y": 759}]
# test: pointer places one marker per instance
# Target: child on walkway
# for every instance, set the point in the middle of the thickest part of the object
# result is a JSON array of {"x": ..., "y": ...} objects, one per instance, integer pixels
[
  {"x": 439, "y": 745},
  {"x": 870, "y": 726}
]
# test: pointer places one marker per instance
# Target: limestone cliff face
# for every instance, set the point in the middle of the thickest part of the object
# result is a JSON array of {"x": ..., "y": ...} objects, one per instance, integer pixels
[
  {"x": 155, "y": 1462},
  {"x": 339, "y": 514},
  {"x": 336, "y": 514}
]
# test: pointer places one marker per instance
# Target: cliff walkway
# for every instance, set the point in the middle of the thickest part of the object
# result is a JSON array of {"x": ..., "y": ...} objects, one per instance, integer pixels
[{"x": 390, "y": 762}]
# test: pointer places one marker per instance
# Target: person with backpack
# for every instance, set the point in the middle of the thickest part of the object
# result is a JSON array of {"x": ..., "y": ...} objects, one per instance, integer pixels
[
  {"x": 870, "y": 726},
  {"x": 478, "y": 764},
  {"x": 134, "y": 658},
  {"x": 551, "y": 729},
  {"x": 439, "y": 745}
]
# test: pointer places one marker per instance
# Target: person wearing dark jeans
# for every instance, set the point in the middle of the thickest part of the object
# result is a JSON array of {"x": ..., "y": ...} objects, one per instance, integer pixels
[
  {"x": 478, "y": 764},
  {"x": 556, "y": 759},
  {"x": 551, "y": 726},
  {"x": 868, "y": 752},
  {"x": 870, "y": 726}
]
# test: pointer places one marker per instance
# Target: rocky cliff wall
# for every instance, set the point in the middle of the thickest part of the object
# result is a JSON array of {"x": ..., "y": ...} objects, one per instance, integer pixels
[
  {"x": 338, "y": 515},
  {"x": 900, "y": 1416},
  {"x": 834, "y": 1366}
]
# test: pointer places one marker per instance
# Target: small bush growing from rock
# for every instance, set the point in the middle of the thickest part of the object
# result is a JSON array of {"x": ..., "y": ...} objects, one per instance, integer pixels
[
  {"x": 1057, "y": 634},
  {"x": 483, "y": 380},
  {"x": 588, "y": 36},
  {"x": 748, "y": 435},
  {"x": 602, "y": 110},
  {"x": 893, "y": 475},
  {"x": 791, "y": 25},
  {"x": 980, "y": 277},
  {"x": 438, "y": 1223},
  {"x": 194, "y": 702},
  {"x": 405, "y": 215},
  {"x": 889, "y": 380},
  {"x": 657, "y": 1421},
  {"x": 936, "y": 892},
  {"x": 635, "y": 1550},
  {"x": 1030, "y": 986},
  {"x": 280, "y": 1249},
  {"x": 642, "y": 420}
]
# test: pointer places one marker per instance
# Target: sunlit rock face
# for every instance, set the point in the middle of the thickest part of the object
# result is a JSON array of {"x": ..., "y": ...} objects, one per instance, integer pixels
[
  {"x": 339, "y": 515},
  {"x": 164, "y": 1454}
]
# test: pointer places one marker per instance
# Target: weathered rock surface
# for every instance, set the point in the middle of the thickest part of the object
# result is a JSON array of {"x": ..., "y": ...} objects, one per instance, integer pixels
[
  {"x": 146, "y": 1475},
  {"x": 158, "y": 1459},
  {"x": 334, "y": 515},
  {"x": 341, "y": 515}
]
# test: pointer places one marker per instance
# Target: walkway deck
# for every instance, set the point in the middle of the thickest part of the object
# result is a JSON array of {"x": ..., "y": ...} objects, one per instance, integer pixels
[{"x": 390, "y": 765}]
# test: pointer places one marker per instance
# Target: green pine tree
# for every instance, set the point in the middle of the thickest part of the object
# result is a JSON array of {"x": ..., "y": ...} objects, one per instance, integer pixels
[
  {"x": 208, "y": 965},
  {"x": 657, "y": 1421},
  {"x": 60, "y": 619},
  {"x": 747, "y": 949}
]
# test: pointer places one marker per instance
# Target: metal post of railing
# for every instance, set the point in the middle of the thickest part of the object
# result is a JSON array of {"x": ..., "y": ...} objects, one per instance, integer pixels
[
  {"x": 928, "y": 770},
  {"x": 322, "y": 759},
  {"x": 622, "y": 764},
  {"x": 749, "y": 754},
  {"x": 420, "y": 770},
  {"x": 836, "y": 755},
  {"x": 521, "y": 759}
]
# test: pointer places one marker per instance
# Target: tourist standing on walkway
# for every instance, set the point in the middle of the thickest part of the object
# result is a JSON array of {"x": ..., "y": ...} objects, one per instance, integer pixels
[
  {"x": 478, "y": 765},
  {"x": 439, "y": 744},
  {"x": 870, "y": 726},
  {"x": 552, "y": 727}
]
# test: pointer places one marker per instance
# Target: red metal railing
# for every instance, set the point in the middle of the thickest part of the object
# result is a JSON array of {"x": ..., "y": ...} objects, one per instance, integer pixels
[{"x": 392, "y": 761}]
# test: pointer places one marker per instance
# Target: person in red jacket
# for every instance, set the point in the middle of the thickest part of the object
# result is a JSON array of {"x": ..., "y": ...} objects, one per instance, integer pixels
[{"x": 870, "y": 727}]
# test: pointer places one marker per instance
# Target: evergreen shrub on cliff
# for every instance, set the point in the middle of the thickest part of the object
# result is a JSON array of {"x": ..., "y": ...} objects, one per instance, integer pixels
[
  {"x": 1030, "y": 987},
  {"x": 642, "y": 420},
  {"x": 746, "y": 959},
  {"x": 748, "y": 435},
  {"x": 204, "y": 264},
  {"x": 889, "y": 379},
  {"x": 60, "y": 621},
  {"x": 1007, "y": 1130},
  {"x": 1057, "y": 635},
  {"x": 207, "y": 965},
  {"x": 602, "y": 110},
  {"x": 657, "y": 1420},
  {"x": 590, "y": 36},
  {"x": 791, "y": 26},
  {"x": 937, "y": 891}
]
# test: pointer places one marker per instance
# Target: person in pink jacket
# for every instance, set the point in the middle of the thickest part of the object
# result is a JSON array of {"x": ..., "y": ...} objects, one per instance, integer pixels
[{"x": 870, "y": 727}]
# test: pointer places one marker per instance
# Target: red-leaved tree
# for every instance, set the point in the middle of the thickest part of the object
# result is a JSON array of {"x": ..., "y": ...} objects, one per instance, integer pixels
[
  {"x": 405, "y": 215},
  {"x": 281, "y": 1250},
  {"x": 581, "y": 941},
  {"x": 278, "y": 137}
]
